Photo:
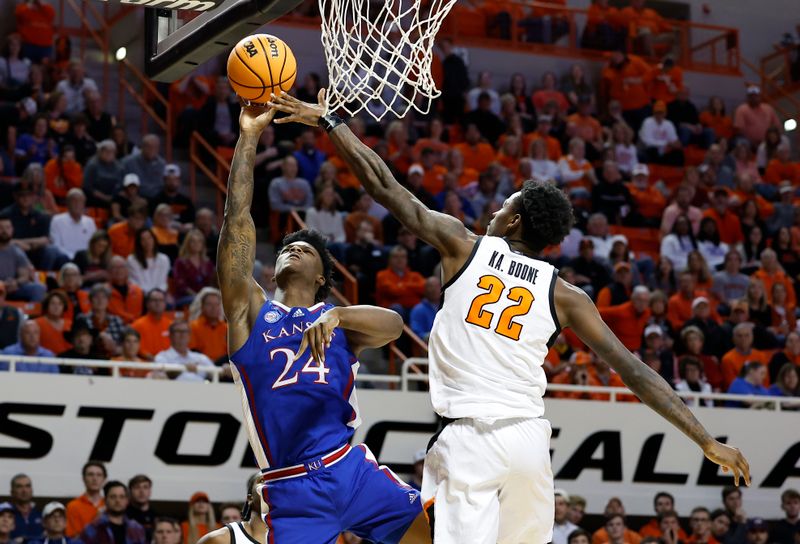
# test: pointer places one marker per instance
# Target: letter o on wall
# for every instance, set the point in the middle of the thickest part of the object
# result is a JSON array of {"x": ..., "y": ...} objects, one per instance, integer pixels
[{"x": 174, "y": 427}]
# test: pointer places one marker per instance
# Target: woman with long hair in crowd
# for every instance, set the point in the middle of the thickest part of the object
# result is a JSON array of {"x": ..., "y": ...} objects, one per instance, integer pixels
[
  {"x": 575, "y": 84},
  {"x": 664, "y": 278},
  {"x": 692, "y": 343},
  {"x": 43, "y": 198},
  {"x": 518, "y": 88},
  {"x": 709, "y": 244},
  {"x": 625, "y": 153},
  {"x": 542, "y": 166},
  {"x": 716, "y": 118},
  {"x": 696, "y": 264},
  {"x": 325, "y": 216},
  {"x": 760, "y": 311},
  {"x": 200, "y": 519},
  {"x": 53, "y": 324},
  {"x": 750, "y": 217},
  {"x": 193, "y": 269},
  {"x": 14, "y": 70},
  {"x": 789, "y": 354},
  {"x": 783, "y": 313},
  {"x": 678, "y": 244},
  {"x": 785, "y": 252},
  {"x": 750, "y": 249},
  {"x": 148, "y": 268},
  {"x": 746, "y": 161},
  {"x": 93, "y": 261},
  {"x": 767, "y": 149},
  {"x": 787, "y": 384},
  {"x": 658, "y": 314},
  {"x": 690, "y": 371}
]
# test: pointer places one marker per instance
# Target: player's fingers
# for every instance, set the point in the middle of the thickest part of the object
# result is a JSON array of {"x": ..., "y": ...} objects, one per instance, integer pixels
[
  {"x": 319, "y": 353},
  {"x": 735, "y": 476},
  {"x": 303, "y": 346},
  {"x": 745, "y": 467},
  {"x": 321, "y": 96},
  {"x": 271, "y": 114}
]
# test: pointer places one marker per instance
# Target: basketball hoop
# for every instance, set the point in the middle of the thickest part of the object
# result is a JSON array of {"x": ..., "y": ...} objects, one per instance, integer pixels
[{"x": 379, "y": 54}]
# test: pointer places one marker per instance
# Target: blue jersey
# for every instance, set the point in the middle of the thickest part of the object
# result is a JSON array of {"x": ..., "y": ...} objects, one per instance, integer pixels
[{"x": 294, "y": 410}]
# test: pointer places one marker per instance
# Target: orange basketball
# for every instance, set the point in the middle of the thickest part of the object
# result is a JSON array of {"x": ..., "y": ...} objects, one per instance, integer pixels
[{"x": 259, "y": 65}]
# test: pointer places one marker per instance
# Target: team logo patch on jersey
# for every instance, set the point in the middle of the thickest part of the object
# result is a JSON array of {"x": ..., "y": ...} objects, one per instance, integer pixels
[
  {"x": 272, "y": 316},
  {"x": 412, "y": 497},
  {"x": 298, "y": 313}
]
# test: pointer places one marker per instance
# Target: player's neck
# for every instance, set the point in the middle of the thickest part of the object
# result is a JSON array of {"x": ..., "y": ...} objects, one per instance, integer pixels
[
  {"x": 295, "y": 295},
  {"x": 518, "y": 244},
  {"x": 256, "y": 528}
]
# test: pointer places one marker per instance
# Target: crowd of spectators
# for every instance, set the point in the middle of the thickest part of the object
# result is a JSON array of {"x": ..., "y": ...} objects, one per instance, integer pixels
[
  {"x": 687, "y": 234},
  {"x": 111, "y": 512}
]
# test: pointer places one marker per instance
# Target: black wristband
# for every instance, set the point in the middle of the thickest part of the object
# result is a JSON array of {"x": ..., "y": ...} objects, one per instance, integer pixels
[{"x": 330, "y": 121}]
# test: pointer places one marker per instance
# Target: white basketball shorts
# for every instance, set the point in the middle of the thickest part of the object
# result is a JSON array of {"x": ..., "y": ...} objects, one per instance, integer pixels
[{"x": 490, "y": 483}]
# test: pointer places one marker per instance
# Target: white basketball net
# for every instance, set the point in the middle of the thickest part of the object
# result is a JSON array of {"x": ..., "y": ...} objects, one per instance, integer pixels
[{"x": 379, "y": 54}]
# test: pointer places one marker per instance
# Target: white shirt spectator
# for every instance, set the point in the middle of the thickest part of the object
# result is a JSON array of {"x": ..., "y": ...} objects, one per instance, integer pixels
[
  {"x": 676, "y": 249},
  {"x": 561, "y": 532},
  {"x": 545, "y": 169},
  {"x": 658, "y": 135},
  {"x": 331, "y": 224},
  {"x": 602, "y": 246},
  {"x": 171, "y": 356},
  {"x": 154, "y": 276},
  {"x": 14, "y": 71},
  {"x": 71, "y": 236},
  {"x": 474, "y": 94},
  {"x": 75, "y": 93},
  {"x": 627, "y": 158},
  {"x": 705, "y": 387},
  {"x": 714, "y": 254}
]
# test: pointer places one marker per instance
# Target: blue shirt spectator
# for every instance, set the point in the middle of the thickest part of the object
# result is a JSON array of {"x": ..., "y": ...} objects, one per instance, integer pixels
[
  {"x": 103, "y": 531},
  {"x": 423, "y": 314},
  {"x": 29, "y": 345},
  {"x": 750, "y": 384},
  {"x": 309, "y": 158},
  {"x": 27, "y": 518}
]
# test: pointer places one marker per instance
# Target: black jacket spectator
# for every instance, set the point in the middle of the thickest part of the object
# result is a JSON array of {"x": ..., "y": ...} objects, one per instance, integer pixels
[{"x": 456, "y": 82}]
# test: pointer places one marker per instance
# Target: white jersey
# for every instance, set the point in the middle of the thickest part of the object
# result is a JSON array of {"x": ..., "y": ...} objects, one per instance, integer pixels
[
  {"x": 491, "y": 335},
  {"x": 238, "y": 534}
]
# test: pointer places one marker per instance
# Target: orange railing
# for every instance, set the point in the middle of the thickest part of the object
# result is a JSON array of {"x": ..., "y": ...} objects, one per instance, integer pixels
[
  {"x": 774, "y": 90},
  {"x": 93, "y": 26},
  {"x": 701, "y": 47},
  {"x": 148, "y": 97},
  {"x": 777, "y": 68}
]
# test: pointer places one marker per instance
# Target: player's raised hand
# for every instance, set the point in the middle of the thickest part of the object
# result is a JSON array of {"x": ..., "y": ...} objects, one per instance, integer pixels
[
  {"x": 255, "y": 117},
  {"x": 319, "y": 335},
  {"x": 299, "y": 111},
  {"x": 730, "y": 459}
]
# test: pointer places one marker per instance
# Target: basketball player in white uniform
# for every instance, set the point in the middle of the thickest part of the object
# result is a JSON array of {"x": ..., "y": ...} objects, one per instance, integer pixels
[
  {"x": 251, "y": 530},
  {"x": 487, "y": 474}
]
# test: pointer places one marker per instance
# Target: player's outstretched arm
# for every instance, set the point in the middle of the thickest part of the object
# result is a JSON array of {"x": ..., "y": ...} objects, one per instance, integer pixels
[
  {"x": 576, "y": 310},
  {"x": 444, "y": 232},
  {"x": 236, "y": 251},
  {"x": 365, "y": 327}
]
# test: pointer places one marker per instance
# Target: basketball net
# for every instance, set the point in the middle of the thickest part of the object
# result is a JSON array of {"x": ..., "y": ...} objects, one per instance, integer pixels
[{"x": 379, "y": 54}]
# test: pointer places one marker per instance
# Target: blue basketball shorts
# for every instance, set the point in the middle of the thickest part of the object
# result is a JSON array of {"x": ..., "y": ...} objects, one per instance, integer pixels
[{"x": 346, "y": 490}]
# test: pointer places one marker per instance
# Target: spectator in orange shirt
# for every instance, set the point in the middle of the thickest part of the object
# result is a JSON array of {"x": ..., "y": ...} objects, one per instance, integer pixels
[
  {"x": 131, "y": 343},
  {"x": 208, "y": 327},
  {"x": 63, "y": 173},
  {"x": 433, "y": 177},
  {"x": 398, "y": 287},
  {"x": 582, "y": 124},
  {"x": 619, "y": 291},
  {"x": 123, "y": 235},
  {"x": 81, "y": 511},
  {"x": 53, "y": 324},
  {"x": 771, "y": 273},
  {"x": 575, "y": 170},
  {"x": 745, "y": 191},
  {"x": 614, "y": 507},
  {"x": 700, "y": 524},
  {"x": 666, "y": 81},
  {"x": 628, "y": 320},
  {"x": 35, "y": 24},
  {"x": 577, "y": 373},
  {"x": 201, "y": 518},
  {"x": 646, "y": 27},
  {"x": 360, "y": 214},
  {"x": 400, "y": 152},
  {"x": 679, "y": 306},
  {"x": 663, "y": 503},
  {"x": 781, "y": 167},
  {"x": 715, "y": 118},
  {"x": 728, "y": 224},
  {"x": 548, "y": 92},
  {"x": 477, "y": 154},
  {"x": 603, "y": 27},
  {"x": 650, "y": 202},
  {"x": 509, "y": 154},
  {"x": 153, "y": 326},
  {"x": 544, "y": 124},
  {"x": 126, "y": 296},
  {"x": 455, "y": 165},
  {"x": 753, "y": 118},
  {"x": 626, "y": 79},
  {"x": 742, "y": 352}
]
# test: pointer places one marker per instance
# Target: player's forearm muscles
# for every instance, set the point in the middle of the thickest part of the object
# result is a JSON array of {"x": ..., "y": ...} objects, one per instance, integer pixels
[
  {"x": 236, "y": 250},
  {"x": 371, "y": 321},
  {"x": 654, "y": 391}
]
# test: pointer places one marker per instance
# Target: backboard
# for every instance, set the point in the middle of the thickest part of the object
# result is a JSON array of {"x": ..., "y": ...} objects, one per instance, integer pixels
[{"x": 185, "y": 33}]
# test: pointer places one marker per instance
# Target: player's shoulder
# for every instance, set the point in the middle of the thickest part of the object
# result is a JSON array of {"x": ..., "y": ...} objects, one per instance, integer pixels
[{"x": 218, "y": 536}]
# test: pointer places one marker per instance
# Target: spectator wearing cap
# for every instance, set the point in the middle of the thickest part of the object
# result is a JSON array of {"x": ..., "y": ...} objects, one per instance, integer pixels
[
  {"x": 728, "y": 223},
  {"x": 218, "y": 119},
  {"x": 82, "y": 347},
  {"x": 619, "y": 291},
  {"x": 423, "y": 313},
  {"x": 562, "y": 526},
  {"x": 628, "y": 320},
  {"x": 123, "y": 235},
  {"x": 648, "y": 202},
  {"x": 6, "y": 522},
  {"x": 660, "y": 139},
  {"x": 752, "y": 118},
  {"x": 179, "y": 354},
  {"x": 113, "y": 526},
  {"x": 200, "y": 519},
  {"x": 98, "y": 319},
  {"x": 139, "y": 509},
  {"x": 30, "y": 346},
  {"x": 690, "y": 371},
  {"x": 126, "y": 296},
  {"x": 705, "y": 320},
  {"x": 415, "y": 480},
  {"x": 125, "y": 198},
  {"x": 771, "y": 273},
  {"x": 682, "y": 205},
  {"x": 10, "y": 316},
  {"x": 102, "y": 175},
  {"x": 182, "y": 207},
  {"x": 31, "y": 229},
  {"x": 154, "y": 325},
  {"x": 785, "y": 531},
  {"x": 742, "y": 353},
  {"x": 27, "y": 518},
  {"x": 610, "y": 196},
  {"x": 54, "y": 521},
  {"x": 71, "y": 231},
  {"x": 209, "y": 330},
  {"x": 684, "y": 115},
  {"x": 757, "y": 531},
  {"x": 74, "y": 86},
  {"x": 749, "y": 383},
  {"x": 148, "y": 164}
]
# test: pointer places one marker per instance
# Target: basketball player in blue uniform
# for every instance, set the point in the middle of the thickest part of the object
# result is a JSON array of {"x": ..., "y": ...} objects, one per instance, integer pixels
[{"x": 294, "y": 360}]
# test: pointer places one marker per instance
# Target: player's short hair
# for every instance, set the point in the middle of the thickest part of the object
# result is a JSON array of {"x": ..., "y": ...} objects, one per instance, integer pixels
[
  {"x": 317, "y": 240},
  {"x": 546, "y": 215}
]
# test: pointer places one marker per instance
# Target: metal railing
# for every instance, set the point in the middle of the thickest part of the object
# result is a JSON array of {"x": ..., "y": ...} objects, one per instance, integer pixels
[{"x": 411, "y": 372}]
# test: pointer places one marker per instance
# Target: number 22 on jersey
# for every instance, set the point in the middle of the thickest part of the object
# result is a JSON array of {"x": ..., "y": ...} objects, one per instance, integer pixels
[{"x": 478, "y": 315}]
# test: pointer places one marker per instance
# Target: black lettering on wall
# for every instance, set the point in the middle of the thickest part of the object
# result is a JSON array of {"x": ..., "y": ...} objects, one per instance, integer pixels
[
  {"x": 785, "y": 468},
  {"x": 646, "y": 467},
  {"x": 170, "y": 439},
  {"x": 40, "y": 442},
  {"x": 609, "y": 465},
  {"x": 111, "y": 428},
  {"x": 376, "y": 436}
]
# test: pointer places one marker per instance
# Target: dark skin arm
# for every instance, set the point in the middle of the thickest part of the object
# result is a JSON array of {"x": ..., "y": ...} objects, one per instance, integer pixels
[
  {"x": 576, "y": 310},
  {"x": 444, "y": 232},
  {"x": 242, "y": 297}
]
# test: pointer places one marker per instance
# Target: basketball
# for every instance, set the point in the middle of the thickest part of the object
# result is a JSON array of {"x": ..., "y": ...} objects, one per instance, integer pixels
[{"x": 259, "y": 65}]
